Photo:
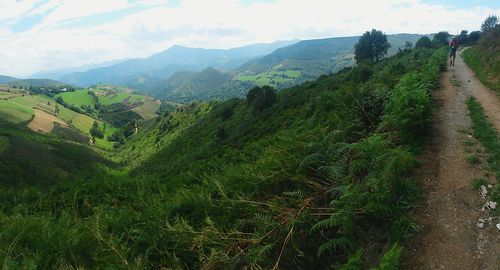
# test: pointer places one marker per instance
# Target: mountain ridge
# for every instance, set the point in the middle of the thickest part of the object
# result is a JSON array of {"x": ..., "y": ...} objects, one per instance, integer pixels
[
  {"x": 165, "y": 63},
  {"x": 7, "y": 79}
]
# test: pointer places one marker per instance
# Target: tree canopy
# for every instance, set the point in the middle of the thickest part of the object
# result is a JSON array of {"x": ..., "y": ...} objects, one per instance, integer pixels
[
  {"x": 440, "y": 38},
  {"x": 489, "y": 23},
  {"x": 463, "y": 37},
  {"x": 372, "y": 47},
  {"x": 474, "y": 37},
  {"x": 423, "y": 42}
]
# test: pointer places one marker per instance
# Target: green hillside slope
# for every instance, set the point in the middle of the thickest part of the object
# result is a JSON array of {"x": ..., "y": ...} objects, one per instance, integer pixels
[
  {"x": 313, "y": 58},
  {"x": 31, "y": 160},
  {"x": 317, "y": 176},
  {"x": 209, "y": 84}
]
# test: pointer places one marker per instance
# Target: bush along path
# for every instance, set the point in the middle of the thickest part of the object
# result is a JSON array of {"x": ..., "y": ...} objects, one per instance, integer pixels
[{"x": 451, "y": 218}]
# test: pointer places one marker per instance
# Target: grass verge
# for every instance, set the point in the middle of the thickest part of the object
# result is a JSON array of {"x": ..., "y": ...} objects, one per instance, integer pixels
[{"x": 489, "y": 138}]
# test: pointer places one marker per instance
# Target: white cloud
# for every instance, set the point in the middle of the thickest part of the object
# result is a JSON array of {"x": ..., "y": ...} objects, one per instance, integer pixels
[
  {"x": 74, "y": 9},
  {"x": 210, "y": 24},
  {"x": 11, "y": 9}
]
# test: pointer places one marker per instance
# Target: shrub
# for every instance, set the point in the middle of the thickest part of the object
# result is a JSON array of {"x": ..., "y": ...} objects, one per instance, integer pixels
[
  {"x": 260, "y": 98},
  {"x": 440, "y": 39},
  {"x": 423, "y": 42},
  {"x": 95, "y": 131}
]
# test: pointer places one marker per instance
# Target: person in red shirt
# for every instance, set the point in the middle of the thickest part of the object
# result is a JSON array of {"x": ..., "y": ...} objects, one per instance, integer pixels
[{"x": 453, "y": 50}]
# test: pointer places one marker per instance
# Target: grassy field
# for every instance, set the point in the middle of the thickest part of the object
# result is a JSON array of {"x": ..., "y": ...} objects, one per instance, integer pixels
[
  {"x": 8, "y": 95},
  {"x": 84, "y": 123},
  {"x": 78, "y": 98},
  {"x": 37, "y": 101},
  {"x": 246, "y": 78},
  {"x": 81, "y": 121},
  {"x": 67, "y": 114},
  {"x": 294, "y": 74},
  {"x": 14, "y": 112},
  {"x": 44, "y": 122},
  {"x": 272, "y": 78},
  {"x": 111, "y": 98},
  {"x": 19, "y": 109},
  {"x": 148, "y": 110}
]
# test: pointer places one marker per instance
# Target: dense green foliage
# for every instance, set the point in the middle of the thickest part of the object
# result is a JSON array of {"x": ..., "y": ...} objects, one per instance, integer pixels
[
  {"x": 319, "y": 178},
  {"x": 96, "y": 132},
  {"x": 118, "y": 114},
  {"x": 259, "y": 98},
  {"x": 489, "y": 138}
]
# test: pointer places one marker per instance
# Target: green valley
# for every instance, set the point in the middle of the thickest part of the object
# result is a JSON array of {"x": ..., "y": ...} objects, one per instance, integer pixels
[
  {"x": 368, "y": 151},
  {"x": 226, "y": 182}
]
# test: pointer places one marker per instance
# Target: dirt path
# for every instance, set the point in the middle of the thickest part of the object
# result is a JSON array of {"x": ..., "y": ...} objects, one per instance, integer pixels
[
  {"x": 488, "y": 99},
  {"x": 44, "y": 122},
  {"x": 447, "y": 217}
]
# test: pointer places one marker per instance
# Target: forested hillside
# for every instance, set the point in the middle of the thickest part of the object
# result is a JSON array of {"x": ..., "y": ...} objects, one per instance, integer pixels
[
  {"x": 208, "y": 84},
  {"x": 38, "y": 84},
  {"x": 316, "y": 176}
]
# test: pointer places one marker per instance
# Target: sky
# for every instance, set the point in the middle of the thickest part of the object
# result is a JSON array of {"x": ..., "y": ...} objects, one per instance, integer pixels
[{"x": 42, "y": 35}]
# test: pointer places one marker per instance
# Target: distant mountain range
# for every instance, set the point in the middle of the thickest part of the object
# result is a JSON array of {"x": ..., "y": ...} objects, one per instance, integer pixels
[
  {"x": 185, "y": 74},
  {"x": 284, "y": 67},
  {"x": 142, "y": 73},
  {"x": 58, "y": 73}
]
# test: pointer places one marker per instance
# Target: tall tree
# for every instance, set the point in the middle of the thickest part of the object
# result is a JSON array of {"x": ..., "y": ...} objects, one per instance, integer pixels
[
  {"x": 463, "y": 37},
  {"x": 474, "y": 37},
  {"x": 372, "y": 47},
  {"x": 408, "y": 45},
  {"x": 489, "y": 23},
  {"x": 440, "y": 39}
]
